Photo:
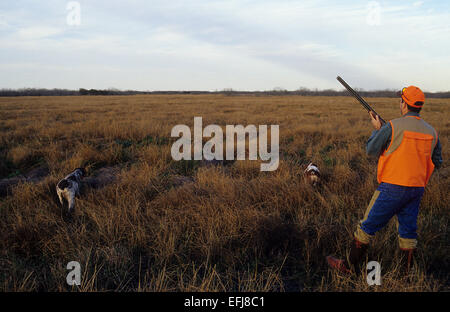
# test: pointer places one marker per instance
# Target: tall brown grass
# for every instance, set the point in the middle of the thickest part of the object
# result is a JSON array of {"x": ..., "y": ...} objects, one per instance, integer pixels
[{"x": 186, "y": 226}]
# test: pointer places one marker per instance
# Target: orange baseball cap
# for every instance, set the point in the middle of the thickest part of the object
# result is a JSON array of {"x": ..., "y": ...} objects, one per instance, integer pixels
[{"x": 413, "y": 96}]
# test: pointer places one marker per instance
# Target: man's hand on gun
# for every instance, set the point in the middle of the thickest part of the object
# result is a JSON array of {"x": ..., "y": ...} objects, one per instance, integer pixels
[{"x": 376, "y": 123}]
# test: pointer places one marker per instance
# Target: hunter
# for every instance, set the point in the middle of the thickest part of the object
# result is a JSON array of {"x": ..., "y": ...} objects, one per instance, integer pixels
[{"x": 408, "y": 149}]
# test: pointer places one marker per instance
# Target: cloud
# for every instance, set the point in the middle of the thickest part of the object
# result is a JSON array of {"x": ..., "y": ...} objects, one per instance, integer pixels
[
  {"x": 216, "y": 44},
  {"x": 36, "y": 33}
]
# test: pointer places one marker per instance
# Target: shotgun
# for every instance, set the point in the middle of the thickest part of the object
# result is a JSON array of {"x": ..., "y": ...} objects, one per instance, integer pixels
[{"x": 359, "y": 98}]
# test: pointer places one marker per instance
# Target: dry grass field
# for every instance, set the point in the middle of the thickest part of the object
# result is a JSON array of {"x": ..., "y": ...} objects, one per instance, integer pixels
[{"x": 154, "y": 224}]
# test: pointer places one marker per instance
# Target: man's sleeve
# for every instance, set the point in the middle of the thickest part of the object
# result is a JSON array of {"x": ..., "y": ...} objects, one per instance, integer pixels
[
  {"x": 379, "y": 140},
  {"x": 436, "y": 157}
]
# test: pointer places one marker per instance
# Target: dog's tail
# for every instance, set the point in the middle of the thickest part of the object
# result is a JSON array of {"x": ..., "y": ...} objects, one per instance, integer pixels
[{"x": 63, "y": 184}]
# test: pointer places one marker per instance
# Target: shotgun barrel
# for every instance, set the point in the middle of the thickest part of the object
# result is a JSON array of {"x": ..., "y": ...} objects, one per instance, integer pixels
[{"x": 359, "y": 98}]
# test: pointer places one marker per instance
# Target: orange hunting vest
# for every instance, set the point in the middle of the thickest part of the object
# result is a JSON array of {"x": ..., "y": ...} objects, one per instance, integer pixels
[{"x": 407, "y": 160}]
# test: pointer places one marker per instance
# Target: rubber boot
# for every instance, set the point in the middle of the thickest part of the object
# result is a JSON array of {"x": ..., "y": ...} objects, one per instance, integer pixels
[
  {"x": 406, "y": 260},
  {"x": 357, "y": 253},
  {"x": 338, "y": 264}
]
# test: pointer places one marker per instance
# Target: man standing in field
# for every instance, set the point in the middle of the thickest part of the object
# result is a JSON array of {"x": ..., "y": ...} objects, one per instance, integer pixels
[{"x": 408, "y": 149}]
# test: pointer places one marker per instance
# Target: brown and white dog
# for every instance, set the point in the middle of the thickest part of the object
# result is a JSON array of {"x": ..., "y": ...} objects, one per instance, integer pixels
[
  {"x": 70, "y": 186},
  {"x": 312, "y": 174}
]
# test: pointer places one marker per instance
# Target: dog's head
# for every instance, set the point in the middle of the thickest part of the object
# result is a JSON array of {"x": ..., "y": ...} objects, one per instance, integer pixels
[{"x": 81, "y": 172}]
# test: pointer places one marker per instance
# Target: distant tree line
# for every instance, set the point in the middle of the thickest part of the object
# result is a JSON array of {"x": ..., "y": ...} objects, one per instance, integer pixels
[
  {"x": 82, "y": 91},
  {"x": 36, "y": 92},
  {"x": 331, "y": 92},
  {"x": 228, "y": 91}
]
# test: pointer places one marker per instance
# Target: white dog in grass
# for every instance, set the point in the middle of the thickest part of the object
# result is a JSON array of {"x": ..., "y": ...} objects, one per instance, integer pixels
[{"x": 312, "y": 174}]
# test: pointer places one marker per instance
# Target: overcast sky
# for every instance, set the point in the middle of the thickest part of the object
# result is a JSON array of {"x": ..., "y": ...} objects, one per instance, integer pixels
[{"x": 217, "y": 44}]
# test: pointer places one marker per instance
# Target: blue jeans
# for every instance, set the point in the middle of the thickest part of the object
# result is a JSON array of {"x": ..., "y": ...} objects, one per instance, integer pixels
[{"x": 387, "y": 201}]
